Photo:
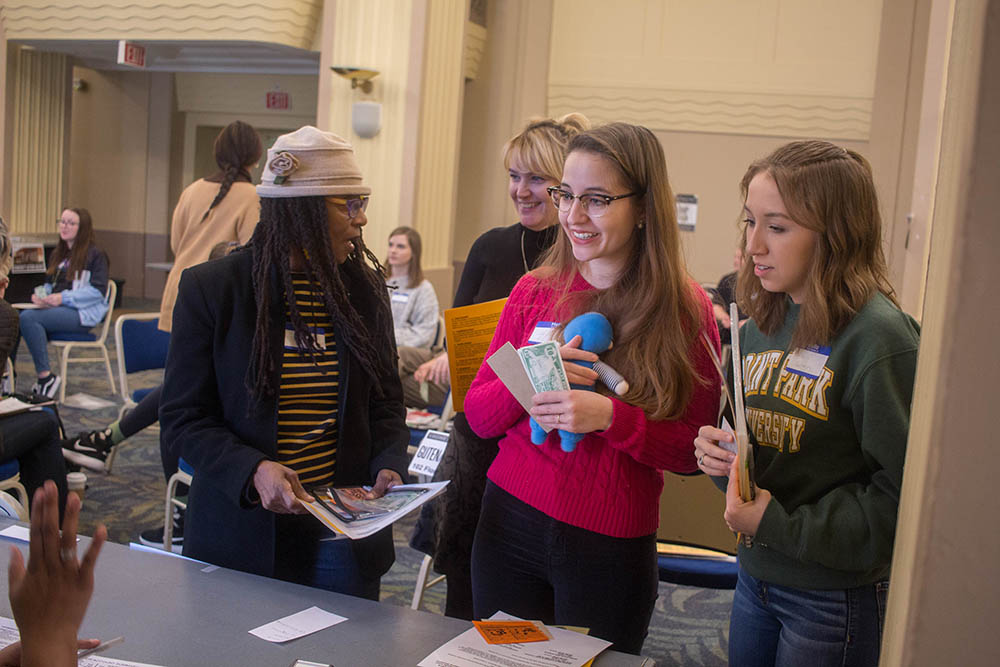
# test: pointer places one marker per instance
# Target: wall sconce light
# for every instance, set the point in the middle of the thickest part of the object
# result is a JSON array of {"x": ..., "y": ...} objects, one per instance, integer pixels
[
  {"x": 360, "y": 77},
  {"x": 366, "y": 117}
]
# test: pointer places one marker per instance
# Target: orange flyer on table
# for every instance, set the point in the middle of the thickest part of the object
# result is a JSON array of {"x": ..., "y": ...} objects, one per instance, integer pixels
[
  {"x": 511, "y": 632},
  {"x": 469, "y": 331}
]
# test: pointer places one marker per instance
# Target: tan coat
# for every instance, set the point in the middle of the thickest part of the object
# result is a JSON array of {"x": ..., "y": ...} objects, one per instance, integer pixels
[{"x": 192, "y": 239}]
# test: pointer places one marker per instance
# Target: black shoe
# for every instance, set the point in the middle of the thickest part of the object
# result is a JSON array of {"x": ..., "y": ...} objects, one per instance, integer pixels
[
  {"x": 154, "y": 536},
  {"x": 89, "y": 450},
  {"x": 47, "y": 386}
]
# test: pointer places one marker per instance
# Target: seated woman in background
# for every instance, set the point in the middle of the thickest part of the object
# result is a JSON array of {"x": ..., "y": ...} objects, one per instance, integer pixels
[
  {"x": 30, "y": 437},
  {"x": 73, "y": 298},
  {"x": 414, "y": 304}
]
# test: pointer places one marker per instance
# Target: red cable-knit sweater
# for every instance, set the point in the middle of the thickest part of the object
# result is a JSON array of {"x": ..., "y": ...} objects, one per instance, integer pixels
[{"x": 611, "y": 482}]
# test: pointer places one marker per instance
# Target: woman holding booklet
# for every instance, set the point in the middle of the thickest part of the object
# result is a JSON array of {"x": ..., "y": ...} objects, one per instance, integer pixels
[
  {"x": 569, "y": 537},
  {"x": 828, "y": 367},
  {"x": 281, "y": 375}
]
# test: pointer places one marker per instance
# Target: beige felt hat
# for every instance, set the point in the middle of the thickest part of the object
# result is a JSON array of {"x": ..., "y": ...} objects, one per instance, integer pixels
[{"x": 310, "y": 162}]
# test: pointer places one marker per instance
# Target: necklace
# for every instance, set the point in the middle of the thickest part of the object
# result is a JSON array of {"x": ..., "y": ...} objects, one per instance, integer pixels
[{"x": 524, "y": 258}]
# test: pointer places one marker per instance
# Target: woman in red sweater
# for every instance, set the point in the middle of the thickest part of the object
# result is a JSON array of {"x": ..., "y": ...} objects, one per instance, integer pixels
[{"x": 570, "y": 538}]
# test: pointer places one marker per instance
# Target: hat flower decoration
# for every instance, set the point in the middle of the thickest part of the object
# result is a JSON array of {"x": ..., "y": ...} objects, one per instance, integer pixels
[{"x": 282, "y": 165}]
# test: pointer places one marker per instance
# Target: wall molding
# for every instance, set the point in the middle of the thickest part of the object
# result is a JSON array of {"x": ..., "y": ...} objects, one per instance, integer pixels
[
  {"x": 722, "y": 112},
  {"x": 289, "y": 22}
]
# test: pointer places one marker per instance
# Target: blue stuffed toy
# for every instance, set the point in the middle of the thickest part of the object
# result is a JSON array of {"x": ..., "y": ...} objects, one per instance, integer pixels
[{"x": 595, "y": 330}]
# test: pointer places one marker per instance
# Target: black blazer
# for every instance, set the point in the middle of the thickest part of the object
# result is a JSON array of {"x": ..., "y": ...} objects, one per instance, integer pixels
[{"x": 206, "y": 415}]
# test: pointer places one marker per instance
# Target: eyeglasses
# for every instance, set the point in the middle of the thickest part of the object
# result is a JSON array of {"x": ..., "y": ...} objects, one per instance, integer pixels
[
  {"x": 354, "y": 205},
  {"x": 67, "y": 223},
  {"x": 593, "y": 205}
]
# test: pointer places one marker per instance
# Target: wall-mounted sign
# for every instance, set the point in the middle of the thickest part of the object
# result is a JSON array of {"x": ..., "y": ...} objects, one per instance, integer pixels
[
  {"x": 278, "y": 100},
  {"x": 131, "y": 54},
  {"x": 687, "y": 212}
]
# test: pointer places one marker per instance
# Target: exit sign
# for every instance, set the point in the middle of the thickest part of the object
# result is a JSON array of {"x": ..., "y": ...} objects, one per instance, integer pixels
[
  {"x": 131, "y": 54},
  {"x": 276, "y": 100}
]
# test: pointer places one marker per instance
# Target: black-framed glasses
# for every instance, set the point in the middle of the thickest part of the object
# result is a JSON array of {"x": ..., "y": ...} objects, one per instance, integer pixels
[
  {"x": 593, "y": 205},
  {"x": 354, "y": 205}
]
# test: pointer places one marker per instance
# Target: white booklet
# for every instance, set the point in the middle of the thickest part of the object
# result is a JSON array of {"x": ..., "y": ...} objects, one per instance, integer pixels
[{"x": 346, "y": 511}]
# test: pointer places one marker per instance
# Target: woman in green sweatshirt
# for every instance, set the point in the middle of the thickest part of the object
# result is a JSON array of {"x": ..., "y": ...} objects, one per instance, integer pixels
[{"x": 828, "y": 367}]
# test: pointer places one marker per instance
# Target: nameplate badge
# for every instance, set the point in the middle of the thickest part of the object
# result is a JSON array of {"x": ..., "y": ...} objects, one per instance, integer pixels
[
  {"x": 542, "y": 333},
  {"x": 400, "y": 297},
  {"x": 319, "y": 337},
  {"x": 808, "y": 361}
]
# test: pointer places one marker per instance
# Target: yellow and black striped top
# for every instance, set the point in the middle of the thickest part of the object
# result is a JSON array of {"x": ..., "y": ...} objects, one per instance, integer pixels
[{"x": 307, "y": 398}]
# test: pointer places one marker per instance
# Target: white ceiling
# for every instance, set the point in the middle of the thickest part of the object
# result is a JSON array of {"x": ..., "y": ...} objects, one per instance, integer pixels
[{"x": 189, "y": 56}]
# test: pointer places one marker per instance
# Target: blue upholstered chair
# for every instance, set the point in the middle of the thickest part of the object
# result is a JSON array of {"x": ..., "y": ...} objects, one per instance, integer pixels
[{"x": 141, "y": 347}]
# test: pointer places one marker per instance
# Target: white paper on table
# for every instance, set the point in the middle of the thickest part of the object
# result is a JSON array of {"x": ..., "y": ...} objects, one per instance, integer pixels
[
  {"x": 297, "y": 625},
  {"x": 21, "y": 533},
  {"x": 469, "y": 649},
  {"x": 9, "y": 634}
]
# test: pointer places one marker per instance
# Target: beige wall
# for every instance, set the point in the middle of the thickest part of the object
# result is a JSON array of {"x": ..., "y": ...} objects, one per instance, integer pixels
[
  {"x": 4, "y": 130},
  {"x": 943, "y": 604},
  {"x": 110, "y": 158},
  {"x": 722, "y": 84},
  {"x": 509, "y": 89}
]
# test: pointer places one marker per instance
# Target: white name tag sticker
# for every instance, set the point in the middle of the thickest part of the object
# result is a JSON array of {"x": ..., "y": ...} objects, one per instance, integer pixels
[
  {"x": 542, "y": 333},
  {"x": 290, "y": 343},
  {"x": 808, "y": 361},
  {"x": 429, "y": 453},
  {"x": 400, "y": 297}
]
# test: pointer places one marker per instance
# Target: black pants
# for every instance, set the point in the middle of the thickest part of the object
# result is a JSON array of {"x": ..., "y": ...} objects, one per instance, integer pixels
[
  {"x": 528, "y": 564},
  {"x": 33, "y": 439}
]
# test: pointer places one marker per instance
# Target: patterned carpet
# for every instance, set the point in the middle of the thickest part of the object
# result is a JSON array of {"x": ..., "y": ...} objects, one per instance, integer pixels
[{"x": 689, "y": 625}]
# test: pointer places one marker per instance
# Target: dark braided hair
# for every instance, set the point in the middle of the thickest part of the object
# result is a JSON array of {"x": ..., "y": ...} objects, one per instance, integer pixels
[
  {"x": 300, "y": 224},
  {"x": 237, "y": 147}
]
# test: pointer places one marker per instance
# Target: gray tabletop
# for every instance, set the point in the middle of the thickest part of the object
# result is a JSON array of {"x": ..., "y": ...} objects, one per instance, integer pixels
[{"x": 173, "y": 613}]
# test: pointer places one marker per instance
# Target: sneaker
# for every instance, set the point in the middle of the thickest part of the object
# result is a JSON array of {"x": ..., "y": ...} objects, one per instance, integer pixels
[
  {"x": 154, "y": 536},
  {"x": 47, "y": 386},
  {"x": 89, "y": 450}
]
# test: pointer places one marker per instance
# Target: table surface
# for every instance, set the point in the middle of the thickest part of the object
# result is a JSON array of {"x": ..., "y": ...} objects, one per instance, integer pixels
[{"x": 172, "y": 612}]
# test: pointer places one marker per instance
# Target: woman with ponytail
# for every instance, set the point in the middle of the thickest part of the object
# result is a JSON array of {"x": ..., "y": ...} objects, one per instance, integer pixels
[{"x": 222, "y": 207}]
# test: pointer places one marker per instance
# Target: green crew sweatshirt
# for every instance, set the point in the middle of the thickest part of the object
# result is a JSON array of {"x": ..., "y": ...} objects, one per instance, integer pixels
[{"x": 830, "y": 448}]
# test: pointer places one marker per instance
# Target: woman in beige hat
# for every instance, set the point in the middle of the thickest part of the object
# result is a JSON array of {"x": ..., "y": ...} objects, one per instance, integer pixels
[{"x": 281, "y": 374}]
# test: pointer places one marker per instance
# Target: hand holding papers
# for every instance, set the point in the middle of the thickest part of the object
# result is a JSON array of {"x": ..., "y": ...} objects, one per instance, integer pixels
[
  {"x": 530, "y": 370},
  {"x": 347, "y": 512}
]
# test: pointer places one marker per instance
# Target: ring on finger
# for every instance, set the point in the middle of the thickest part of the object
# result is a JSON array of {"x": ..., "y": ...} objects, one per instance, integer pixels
[
  {"x": 701, "y": 460},
  {"x": 67, "y": 554}
]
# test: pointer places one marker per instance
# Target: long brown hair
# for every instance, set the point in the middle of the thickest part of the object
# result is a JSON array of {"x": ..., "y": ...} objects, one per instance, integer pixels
[
  {"x": 236, "y": 148},
  {"x": 415, "y": 274},
  {"x": 829, "y": 190},
  {"x": 652, "y": 308},
  {"x": 81, "y": 244}
]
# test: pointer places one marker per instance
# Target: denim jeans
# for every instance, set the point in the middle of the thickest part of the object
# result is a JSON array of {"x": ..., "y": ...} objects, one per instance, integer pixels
[
  {"x": 305, "y": 554},
  {"x": 528, "y": 564},
  {"x": 789, "y": 627},
  {"x": 36, "y": 325}
]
